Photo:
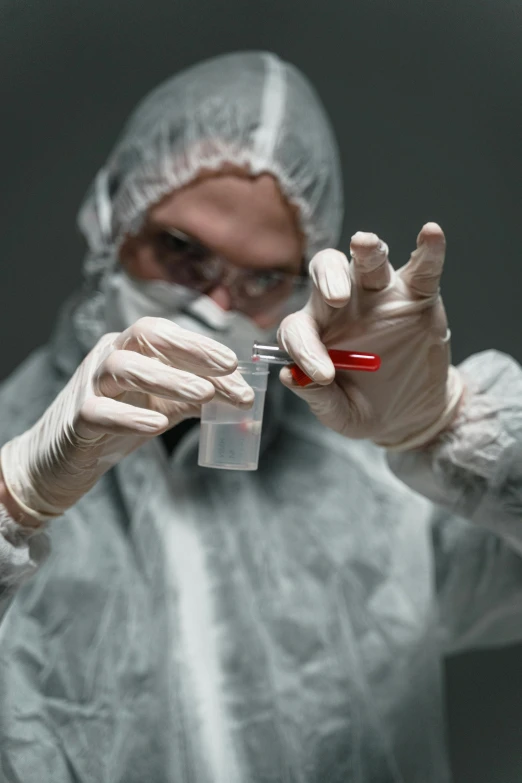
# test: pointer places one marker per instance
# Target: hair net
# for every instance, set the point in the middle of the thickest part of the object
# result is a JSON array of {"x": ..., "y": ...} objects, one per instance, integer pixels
[{"x": 248, "y": 109}]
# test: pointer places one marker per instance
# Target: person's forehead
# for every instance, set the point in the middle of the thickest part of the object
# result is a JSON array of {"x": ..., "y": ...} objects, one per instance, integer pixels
[{"x": 245, "y": 218}]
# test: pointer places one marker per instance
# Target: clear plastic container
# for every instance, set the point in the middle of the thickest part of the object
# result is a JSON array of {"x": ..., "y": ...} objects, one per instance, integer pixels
[{"x": 230, "y": 438}]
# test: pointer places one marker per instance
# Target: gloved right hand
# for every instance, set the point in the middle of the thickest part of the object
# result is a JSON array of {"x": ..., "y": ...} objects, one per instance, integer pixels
[{"x": 131, "y": 387}]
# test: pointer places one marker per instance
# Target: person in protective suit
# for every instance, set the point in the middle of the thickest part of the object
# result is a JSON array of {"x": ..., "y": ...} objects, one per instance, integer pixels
[{"x": 169, "y": 623}]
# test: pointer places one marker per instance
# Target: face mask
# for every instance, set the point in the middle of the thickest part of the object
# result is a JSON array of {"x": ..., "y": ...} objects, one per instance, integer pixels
[{"x": 127, "y": 300}]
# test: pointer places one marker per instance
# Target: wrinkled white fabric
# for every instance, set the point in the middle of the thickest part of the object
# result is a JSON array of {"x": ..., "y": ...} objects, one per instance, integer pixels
[
  {"x": 247, "y": 108},
  {"x": 198, "y": 625},
  {"x": 367, "y": 306},
  {"x": 476, "y": 465},
  {"x": 22, "y": 551}
]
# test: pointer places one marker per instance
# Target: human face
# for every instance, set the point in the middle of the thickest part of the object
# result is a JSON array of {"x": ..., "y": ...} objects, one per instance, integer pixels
[{"x": 242, "y": 223}]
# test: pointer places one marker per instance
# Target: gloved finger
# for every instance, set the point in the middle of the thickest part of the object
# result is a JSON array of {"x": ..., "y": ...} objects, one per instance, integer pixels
[
  {"x": 129, "y": 371},
  {"x": 181, "y": 348},
  {"x": 225, "y": 398},
  {"x": 234, "y": 390},
  {"x": 298, "y": 334},
  {"x": 330, "y": 272},
  {"x": 370, "y": 261},
  {"x": 324, "y": 401},
  {"x": 188, "y": 411},
  {"x": 341, "y": 406},
  {"x": 103, "y": 415},
  {"x": 423, "y": 271}
]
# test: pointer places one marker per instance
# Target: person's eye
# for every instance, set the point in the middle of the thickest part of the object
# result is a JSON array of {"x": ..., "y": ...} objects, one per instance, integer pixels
[
  {"x": 270, "y": 279},
  {"x": 259, "y": 283},
  {"x": 267, "y": 277},
  {"x": 172, "y": 243}
]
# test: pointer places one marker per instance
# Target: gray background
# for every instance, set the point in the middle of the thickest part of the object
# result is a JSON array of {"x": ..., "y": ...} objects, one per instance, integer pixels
[{"x": 426, "y": 101}]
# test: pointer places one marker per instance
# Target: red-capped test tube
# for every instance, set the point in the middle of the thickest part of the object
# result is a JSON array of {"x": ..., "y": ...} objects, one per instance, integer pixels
[{"x": 342, "y": 360}]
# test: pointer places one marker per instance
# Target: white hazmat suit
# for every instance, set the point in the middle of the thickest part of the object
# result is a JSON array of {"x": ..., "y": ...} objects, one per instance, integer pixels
[{"x": 184, "y": 625}]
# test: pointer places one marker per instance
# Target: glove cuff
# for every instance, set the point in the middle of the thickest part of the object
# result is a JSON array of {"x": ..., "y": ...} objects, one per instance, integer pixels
[
  {"x": 8, "y": 463},
  {"x": 454, "y": 392}
]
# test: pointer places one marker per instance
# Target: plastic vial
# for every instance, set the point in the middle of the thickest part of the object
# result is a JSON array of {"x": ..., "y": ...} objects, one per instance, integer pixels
[{"x": 230, "y": 438}]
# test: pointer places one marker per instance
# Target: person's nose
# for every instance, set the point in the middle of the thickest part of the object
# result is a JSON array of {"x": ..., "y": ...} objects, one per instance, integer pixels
[{"x": 221, "y": 296}]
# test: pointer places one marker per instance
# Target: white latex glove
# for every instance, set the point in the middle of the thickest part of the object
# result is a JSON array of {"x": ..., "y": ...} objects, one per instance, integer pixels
[
  {"x": 131, "y": 387},
  {"x": 367, "y": 306}
]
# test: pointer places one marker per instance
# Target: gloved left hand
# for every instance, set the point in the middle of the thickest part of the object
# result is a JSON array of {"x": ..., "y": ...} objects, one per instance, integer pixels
[{"x": 367, "y": 306}]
